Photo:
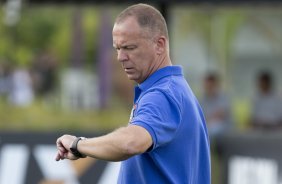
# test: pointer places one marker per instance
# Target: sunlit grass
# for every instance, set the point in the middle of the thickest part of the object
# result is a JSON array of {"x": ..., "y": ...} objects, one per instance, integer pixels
[{"x": 40, "y": 117}]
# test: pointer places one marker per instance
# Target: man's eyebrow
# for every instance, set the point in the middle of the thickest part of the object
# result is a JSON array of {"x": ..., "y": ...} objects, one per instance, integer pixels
[{"x": 124, "y": 45}]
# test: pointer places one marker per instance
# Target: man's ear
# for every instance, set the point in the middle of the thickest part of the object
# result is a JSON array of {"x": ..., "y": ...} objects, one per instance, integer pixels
[{"x": 161, "y": 45}]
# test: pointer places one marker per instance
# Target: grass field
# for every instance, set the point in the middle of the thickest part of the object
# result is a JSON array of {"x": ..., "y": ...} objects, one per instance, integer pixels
[{"x": 50, "y": 117}]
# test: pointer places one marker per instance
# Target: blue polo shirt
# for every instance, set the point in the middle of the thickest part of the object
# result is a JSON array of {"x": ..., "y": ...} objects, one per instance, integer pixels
[{"x": 166, "y": 107}]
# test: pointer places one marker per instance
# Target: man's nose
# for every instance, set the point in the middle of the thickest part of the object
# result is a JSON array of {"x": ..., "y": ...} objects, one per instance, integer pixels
[{"x": 122, "y": 56}]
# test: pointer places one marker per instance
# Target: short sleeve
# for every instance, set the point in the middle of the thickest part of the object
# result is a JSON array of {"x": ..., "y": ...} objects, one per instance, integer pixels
[{"x": 159, "y": 114}]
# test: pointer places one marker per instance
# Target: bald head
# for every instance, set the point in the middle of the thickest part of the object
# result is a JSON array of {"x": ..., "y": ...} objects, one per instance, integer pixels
[{"x": 148, "y": 18}]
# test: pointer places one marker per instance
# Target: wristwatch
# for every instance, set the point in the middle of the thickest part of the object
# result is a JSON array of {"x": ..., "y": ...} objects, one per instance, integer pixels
[{"x": 74, "y": 150}]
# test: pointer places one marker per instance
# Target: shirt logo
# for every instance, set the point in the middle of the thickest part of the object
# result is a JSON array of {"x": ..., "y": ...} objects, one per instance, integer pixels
[{"x": 132, "y": 112}]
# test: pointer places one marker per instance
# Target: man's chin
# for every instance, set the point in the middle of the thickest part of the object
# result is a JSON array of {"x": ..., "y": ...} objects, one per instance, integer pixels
[{"x": 132, "y": 78}]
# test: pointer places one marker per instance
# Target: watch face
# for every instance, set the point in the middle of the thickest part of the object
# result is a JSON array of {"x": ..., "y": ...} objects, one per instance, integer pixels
[
  {"x": 76, "y": 153},
  {"x": 74, "y": 150}
]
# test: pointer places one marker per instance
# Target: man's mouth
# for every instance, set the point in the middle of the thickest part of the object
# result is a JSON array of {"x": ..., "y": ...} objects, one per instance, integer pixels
[{"x": 128, "y": 69}]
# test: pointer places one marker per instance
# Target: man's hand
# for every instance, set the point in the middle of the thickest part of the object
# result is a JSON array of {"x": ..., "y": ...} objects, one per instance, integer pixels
[{"x": 63, "y": 145}]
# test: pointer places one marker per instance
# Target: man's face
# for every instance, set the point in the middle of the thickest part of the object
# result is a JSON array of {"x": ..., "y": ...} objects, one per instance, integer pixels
[{"x": 135, "y": 50}]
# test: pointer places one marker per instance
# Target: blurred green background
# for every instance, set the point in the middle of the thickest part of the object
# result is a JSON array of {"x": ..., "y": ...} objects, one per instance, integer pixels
[
  {"x": 42, "y": 34},
  {"x": 237, "y": 42}
]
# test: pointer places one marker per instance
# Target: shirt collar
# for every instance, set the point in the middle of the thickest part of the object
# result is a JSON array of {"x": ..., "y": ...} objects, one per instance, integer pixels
[{"x": 163, "y": 72}]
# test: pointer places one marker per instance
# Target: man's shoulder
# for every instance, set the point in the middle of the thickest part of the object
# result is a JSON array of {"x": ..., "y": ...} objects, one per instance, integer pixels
[
  {"x": 168, "y": 83},
  {"x": 164, "y": 90}
]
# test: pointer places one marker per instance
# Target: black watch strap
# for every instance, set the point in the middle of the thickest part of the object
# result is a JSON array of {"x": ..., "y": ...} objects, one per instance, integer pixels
[{"x": 74, "y": 150}]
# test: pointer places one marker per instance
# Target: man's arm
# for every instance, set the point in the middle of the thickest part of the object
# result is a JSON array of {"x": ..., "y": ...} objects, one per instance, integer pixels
[{"x": 115, "y": 146}]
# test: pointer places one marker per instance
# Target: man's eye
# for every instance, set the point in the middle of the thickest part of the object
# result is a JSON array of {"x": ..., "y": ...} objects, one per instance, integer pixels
[{"x": 130, "y": 47}]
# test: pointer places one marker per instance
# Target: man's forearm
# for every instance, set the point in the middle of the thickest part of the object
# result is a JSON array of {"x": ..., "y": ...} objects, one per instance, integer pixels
[{"x": 118, "y": 145}]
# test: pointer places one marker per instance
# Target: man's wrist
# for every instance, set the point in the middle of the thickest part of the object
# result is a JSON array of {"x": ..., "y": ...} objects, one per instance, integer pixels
[{"x": 74, "y": 149}]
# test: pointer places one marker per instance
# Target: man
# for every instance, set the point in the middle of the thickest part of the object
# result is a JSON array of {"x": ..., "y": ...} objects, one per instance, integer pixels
[
  {"x": 166, "y": 139},
  {"x": 216, "y": 106},
  {"x": 266, "y": 106}
]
